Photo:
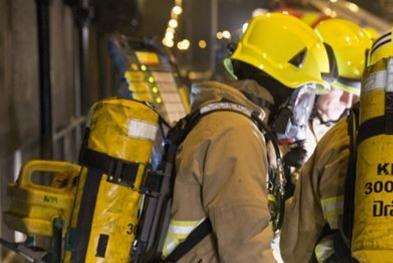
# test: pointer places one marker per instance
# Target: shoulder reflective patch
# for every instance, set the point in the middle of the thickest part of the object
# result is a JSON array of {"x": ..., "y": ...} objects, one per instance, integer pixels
[
  {"x": 375, "y": 81},
  {"x": 141, "y": 130},
  {"x": 178, "y": 231},
  {"x": 333, "y": 209}
]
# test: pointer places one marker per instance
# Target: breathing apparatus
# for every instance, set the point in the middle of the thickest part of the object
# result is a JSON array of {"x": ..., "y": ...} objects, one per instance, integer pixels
[
  {"x": 372, "y": 238},
  {"x": 291, "y": 120}
]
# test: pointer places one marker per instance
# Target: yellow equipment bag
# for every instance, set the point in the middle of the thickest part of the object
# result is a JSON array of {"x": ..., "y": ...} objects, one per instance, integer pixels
[
  {"x": 372, "y": 236},
  {"x": 116, "y": 153},
  {"x": 34, "y": 205}
]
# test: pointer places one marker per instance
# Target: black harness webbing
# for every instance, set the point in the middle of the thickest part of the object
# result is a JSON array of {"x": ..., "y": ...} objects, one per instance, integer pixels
[
  {"x": 119, "y": 171},
  {"x": 349, "y": 194},
  {"x": 85, "y": 216}
]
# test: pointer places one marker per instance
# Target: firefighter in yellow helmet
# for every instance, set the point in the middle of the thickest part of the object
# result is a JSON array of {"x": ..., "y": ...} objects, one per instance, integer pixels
[
  {"x": 220, "y": 209},
  {"x": 319, "y": 220},
  {"x": 347, "y": 44}
]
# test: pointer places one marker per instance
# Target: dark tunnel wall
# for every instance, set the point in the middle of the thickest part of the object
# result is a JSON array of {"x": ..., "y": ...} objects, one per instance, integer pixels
[
  {"x": 19, "y": 107},
  {"x": 20, "y": 82},
  {"x": 64, "y": 36}
]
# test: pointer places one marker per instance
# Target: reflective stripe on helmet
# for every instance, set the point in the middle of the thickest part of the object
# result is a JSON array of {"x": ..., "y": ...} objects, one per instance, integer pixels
[{"x": 178, "y": 231}]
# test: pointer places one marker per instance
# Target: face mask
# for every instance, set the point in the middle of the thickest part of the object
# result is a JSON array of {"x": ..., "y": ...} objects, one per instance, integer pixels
[{"x": 290, "y": 123}]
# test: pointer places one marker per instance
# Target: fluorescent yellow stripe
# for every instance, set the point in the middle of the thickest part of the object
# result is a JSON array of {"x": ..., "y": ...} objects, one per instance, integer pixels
[
  {"x": 333, "y": 208},
  {"x": 324, "y": 249},
  {"x": 177, "y": 232}
]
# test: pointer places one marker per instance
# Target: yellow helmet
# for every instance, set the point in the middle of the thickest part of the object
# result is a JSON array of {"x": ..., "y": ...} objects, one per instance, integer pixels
[
  {"x": 382, "y": 48},
  {"x": 371, "y": 33},
  {"x": 313, "y": 18},
  {"x": 285, "y": 48},
  {"x": 349, "y": 44}
]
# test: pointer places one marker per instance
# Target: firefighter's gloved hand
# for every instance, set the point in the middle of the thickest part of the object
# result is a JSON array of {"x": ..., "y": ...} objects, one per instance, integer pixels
[{"x": 296, "y": 156}]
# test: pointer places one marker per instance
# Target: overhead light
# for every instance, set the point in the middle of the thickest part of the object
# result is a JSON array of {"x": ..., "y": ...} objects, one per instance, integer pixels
[
  {"x": 328, "y": 11},
  {"x": 244, "y": 27},
  {"x": 169, "y": 35},
  {"x": 219, "y": 35},
  {"x": 258, "y": 12},
  {"x": 334, "y": 1},
  {"x": 177, "y": 10},
  {"x": 168, "y": 42},
  {"x": 170, "y": 29},
  {"x": 353, "y": 7},
  {"x": 184, "y": 44},
  {"x": 173, "y": 23},
  {"x": 226, "y": 34},
  {"x": 202, "y": 44}
]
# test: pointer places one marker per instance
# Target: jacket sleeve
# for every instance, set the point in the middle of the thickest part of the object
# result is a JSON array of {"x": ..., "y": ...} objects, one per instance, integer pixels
[
  {"x": 318, "y": 198},
  {"x": 234, "y": 194}
]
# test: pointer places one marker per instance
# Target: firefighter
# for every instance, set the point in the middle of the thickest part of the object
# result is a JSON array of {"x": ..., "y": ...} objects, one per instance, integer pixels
[
  {"x": 347, "y": 44},
  {"x": 223, "y": 165},
  {"x": 314, "y": 225}
]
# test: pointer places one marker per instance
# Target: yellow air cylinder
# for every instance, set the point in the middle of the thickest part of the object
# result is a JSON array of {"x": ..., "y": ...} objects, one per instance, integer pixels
[
  {"x": 372, "y": 239},
  {"x": 116, "y": 152}
]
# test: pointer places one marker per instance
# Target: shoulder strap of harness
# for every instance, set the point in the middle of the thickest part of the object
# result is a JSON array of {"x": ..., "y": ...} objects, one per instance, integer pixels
[
  {"x": 177, "y": 135},
  {"x": 353, "y": 125}
]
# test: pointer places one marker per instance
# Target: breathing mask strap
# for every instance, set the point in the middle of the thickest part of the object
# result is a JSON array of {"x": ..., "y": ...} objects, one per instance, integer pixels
[{"x": 330, "y": 122}]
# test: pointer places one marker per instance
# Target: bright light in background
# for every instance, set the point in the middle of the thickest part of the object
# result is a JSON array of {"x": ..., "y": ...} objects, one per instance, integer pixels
[
  {"x": 334, "y": 1},
  {"x": 353, "y": 7},
  {"x": 202, "y": 44},
  {"x": 170, "y": 29},
  {"x": 226, "y": 34},
  {"x": 244, "y": 27},
  {"x": 329, "y": 12},
  {"x": 219, "y": 35},
  {"x": 285, "y": 12},
  {"x": 173, "y": 23},
  {"x": 177, "y": 10},
  {"x": 169, "y": 35},
  {"x": 168, "y": 42},
  {"x": 258, "y": 12},
  {"x": 184, "y": 44}
]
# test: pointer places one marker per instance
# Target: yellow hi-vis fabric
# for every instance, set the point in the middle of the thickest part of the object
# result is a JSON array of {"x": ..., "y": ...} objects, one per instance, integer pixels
[
  {"x": 178, "y": 231},
  {"x": 272, "y": 40},
  {"x": 124, "y": 129},
  {"x": 372, "y": 239}
]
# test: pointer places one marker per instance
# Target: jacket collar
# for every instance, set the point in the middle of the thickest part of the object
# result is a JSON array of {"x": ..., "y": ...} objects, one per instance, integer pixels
[{"x": 211, "y": 92}]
